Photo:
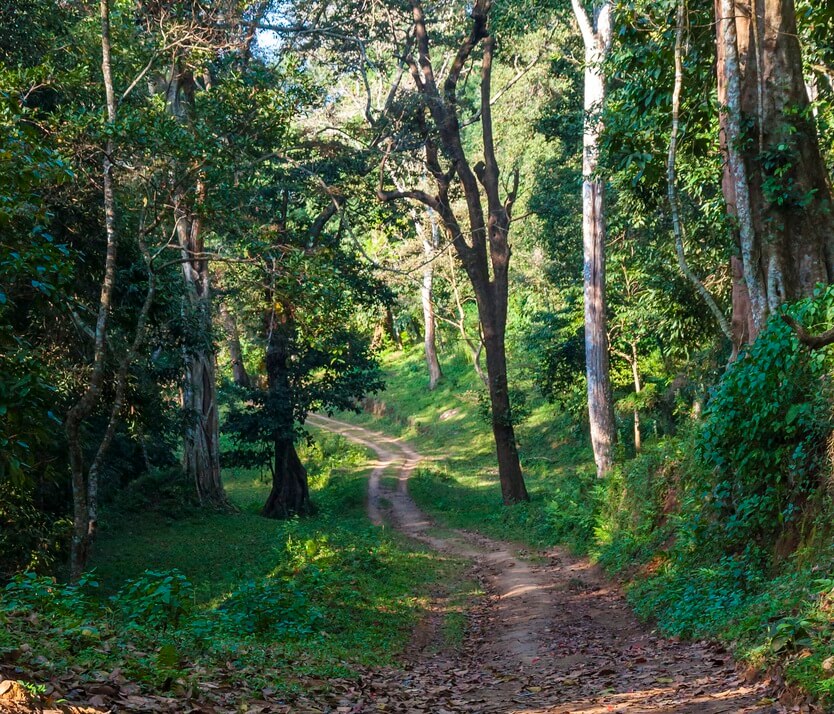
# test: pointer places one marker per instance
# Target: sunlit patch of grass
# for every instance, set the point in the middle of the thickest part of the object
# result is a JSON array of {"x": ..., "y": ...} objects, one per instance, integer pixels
[
  {"x": 285, "y": 600},
  {"x": 458, "y": 481}
]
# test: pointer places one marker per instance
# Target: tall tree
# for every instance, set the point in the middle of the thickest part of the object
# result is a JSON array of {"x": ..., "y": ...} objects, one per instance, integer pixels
[
  {"x": 775, "y": 184},
  {"x": 84, "y": 491},
  {"x": 596, "y": 32},
  {"x": 482, "y": 242},
  {"x": 429, "y": 233},
  {"x": 230, "y": 327}
]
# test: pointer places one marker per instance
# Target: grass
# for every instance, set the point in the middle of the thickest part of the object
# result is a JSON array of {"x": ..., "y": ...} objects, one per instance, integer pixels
[
  {"x": 458, "y": 482},
  {"x": 283, "y": 601}
]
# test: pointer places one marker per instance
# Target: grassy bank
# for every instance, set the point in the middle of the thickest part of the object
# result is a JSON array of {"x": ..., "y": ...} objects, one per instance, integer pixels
[
  {"x": 771, "y": 600},
  {"x": 235, "y": 599}
]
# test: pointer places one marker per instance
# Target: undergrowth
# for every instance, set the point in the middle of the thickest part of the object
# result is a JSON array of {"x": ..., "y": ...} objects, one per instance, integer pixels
[{"x": 232, "y": 598}]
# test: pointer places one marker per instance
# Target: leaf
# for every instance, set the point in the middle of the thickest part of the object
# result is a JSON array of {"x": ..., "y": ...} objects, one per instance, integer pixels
[{"x": 168, "y": 656}]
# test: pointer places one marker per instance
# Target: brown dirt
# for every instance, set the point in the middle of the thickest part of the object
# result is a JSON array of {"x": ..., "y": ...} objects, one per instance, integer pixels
[{"x": 553, "y": 636}]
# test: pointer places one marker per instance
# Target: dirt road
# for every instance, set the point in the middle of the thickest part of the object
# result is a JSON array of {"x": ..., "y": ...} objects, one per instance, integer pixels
[{"x": 552, "y": 636}]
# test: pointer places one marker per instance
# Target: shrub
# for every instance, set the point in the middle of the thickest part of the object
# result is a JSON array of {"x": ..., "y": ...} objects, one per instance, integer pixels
[
  {"x": 156, "y": 600},
  {"x": 29, "y": 538},
  {"x": 766, "y": 426}
]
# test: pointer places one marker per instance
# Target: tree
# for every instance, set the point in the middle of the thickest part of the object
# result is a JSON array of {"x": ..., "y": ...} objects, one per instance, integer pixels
[
  {"x": 239, "y": 373},
  {"x": 776, "y": 184},
  {"x": 596, "y": 32},
  {"x": 482, "y": 241},
  {"x": 84, "y": 489},
  {"x": 314, "y": 358},
  {"x": 193, "y": 27},
  {"x": 430, "y": 237}
]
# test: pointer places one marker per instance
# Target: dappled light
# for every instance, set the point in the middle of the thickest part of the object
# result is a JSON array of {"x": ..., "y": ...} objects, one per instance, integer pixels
[{"x": 416, "y": 358}]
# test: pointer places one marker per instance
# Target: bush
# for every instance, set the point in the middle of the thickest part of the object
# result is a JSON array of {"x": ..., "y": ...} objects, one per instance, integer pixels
[
  {"x": 766, "y": 427},
  {"x": 163, "y": 491},
  {"x": 29, "y": 538},
  {"x": 155, "y": 600}
]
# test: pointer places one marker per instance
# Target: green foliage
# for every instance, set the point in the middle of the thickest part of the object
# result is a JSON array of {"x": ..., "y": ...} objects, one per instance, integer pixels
[
  {"x": 29, "y": 538},
  {"x": 155, "y": 600},
  {"x": 766, "y": 426},
  {"x": 312, "y": 597}
]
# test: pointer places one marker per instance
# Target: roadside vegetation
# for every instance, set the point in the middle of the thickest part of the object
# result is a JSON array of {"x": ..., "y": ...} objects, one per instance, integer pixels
[
  {"x": 657, "y": 522},
  {"x": 608, "y": 226},
  {"x": 233, "y": 601}
]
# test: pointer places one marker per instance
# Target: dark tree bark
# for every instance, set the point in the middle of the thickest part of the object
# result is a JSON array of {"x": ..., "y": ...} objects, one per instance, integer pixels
[
  {"x": 596, "y": 35},
  {"x": 483, "y": 247},
  {"x": 290, "y": 494},
  {"x": 775, "y": 183},
  {"x": 239, "y": 374}
]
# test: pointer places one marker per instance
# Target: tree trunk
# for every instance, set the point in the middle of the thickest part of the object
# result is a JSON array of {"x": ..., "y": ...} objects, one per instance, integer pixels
[
  {"x": 513, "y": 489},
  {"x": 239, "y": 374},
  {"x": 201, "y": 437},
  {"x": 430, "y": 245},
  {"x": 596, "y": 35},
  {"x": 290, "y": 494},
  {"x": 82, "y": 409},
  {"x": 638, "y": 387},
  {"x": 390, "y": 330},
  {"x": 775, "y": 183},
  {"x": 201, "y": 448},
  {"x": 483, "y": 248}
]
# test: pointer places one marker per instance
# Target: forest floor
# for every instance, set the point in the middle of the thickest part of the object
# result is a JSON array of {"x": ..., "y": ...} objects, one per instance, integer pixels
[{"x": 553, "y": 634}]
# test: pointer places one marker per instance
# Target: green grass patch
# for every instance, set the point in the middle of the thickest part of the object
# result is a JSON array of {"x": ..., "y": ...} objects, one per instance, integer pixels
[
  {"x": 458, "y": 482},
  {"x": 172, "y": 602}
]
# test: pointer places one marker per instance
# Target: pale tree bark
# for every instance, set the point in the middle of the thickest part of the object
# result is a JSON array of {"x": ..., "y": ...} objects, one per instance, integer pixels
[
  {"x": 775, "y": 184},
  {"x": 430, "y": 237},
  {"x": 239, "y": 374},
  {"x": 119, "y": 395},
  {"x": 82, "y": 409},
  {"x": 596, "y": 34},
  {"x": 201, "y": 437},
  {"x": 198, "y": 392},
  {"x": 678, "y": 227},
  {"x": 483, "y": 247},
  {"x": 638, "y": 387}
]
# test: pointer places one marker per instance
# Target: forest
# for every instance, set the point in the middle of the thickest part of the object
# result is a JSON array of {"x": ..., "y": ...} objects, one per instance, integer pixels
[{"x": 416, "y": 356}]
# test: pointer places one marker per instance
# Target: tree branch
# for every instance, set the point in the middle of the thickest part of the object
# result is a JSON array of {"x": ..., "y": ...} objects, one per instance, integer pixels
[
  {"x": 812, "y": 342},
  {"x": 585, "y": 26}
]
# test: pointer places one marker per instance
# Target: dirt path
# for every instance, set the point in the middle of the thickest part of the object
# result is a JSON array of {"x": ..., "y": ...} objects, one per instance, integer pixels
[{"x": 553, "y": 636}]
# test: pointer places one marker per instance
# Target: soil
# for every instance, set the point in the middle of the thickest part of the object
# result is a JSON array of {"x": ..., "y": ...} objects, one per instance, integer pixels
[{"x": 553, "y": 635}]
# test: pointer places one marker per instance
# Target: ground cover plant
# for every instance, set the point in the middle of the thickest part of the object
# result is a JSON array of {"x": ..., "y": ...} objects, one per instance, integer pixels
[{"x": 231, "y": 600}]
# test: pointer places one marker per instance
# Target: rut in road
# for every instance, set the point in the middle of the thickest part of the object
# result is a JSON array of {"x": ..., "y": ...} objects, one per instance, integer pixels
[{"x": 552, "y": 636}]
